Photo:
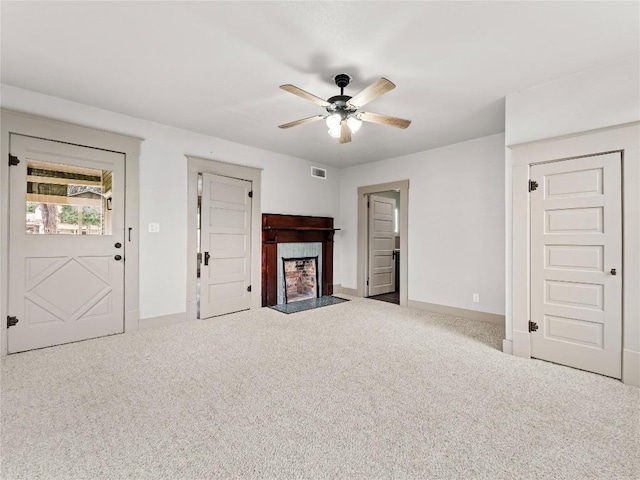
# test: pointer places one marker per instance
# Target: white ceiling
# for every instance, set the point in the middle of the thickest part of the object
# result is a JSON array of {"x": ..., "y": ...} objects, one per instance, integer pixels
[{"x": 215, "y": 67}]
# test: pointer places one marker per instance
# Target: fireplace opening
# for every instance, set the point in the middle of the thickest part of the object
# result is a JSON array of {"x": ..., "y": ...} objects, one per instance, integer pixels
[{"x": 300, "y": 278}]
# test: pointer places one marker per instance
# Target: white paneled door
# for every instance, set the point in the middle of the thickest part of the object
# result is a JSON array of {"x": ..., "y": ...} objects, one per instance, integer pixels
[
  {"x": 66, "y": 243},
  {"x": 225, "y": 232},
  {"x": 381, "y": 244},
  {"x": 576, "y": 260}
]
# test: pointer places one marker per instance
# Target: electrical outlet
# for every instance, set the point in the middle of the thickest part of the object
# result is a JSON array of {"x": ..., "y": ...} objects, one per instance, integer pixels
[
  {"x": 476, "y": 297},
  {"x": 154, "y": 228}
]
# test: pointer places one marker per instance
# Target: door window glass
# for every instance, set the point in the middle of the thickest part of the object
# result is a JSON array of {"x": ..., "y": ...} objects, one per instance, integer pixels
[{"x": 68, "y": 200}]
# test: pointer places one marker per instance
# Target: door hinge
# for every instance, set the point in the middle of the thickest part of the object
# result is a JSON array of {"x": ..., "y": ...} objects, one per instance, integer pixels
[
  {"x": 251, "y": 194},
  {"x": 368, "y": 204},
  {"x": 249, "y": 288},
  {"x": 533, "y": 185},
  {"x": 533, "y": 326},
  {"x": 13, "y": 160},
  {"x": 367, "y": 282},
  {"x": 11, "y": 321}
]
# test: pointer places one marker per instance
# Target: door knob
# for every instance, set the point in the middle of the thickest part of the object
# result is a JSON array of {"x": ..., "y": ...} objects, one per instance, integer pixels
[
  {"x": 613, "y": 271},
  {"x": 118, "y": 257},
  {"x": 118, "y": 245}
]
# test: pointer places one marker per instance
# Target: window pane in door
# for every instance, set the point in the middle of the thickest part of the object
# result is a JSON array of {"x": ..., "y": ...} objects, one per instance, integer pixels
[{"x": 68, "y": 200}]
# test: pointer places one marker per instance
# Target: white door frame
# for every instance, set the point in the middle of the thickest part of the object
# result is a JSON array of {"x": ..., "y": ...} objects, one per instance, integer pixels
[
  {"x": 363, "y": 235},
  {"x": 625, "y": 138},
  {"x": 34, "y": 126},
  {"x": 198, "y": 165}
]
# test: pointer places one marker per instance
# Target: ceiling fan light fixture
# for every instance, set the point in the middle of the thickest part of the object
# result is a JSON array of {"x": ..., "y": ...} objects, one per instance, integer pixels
[
  {"x": 343, "y": 118},
  {"x": 333, "y": 121},
  {"x": 335, "y": 131},
  {"x": 354, "y": 123}
]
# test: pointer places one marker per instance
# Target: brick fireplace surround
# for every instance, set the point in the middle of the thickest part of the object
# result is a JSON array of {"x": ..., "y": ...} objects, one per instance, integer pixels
[{"x": 293, "y": 229}]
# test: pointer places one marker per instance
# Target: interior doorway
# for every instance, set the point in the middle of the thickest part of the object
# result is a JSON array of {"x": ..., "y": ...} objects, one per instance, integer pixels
[
  {"x": 383, "y": 215},
  {"x": 66, "y": 243},
  {"x": 383, "y": 256},
  {"x": 229, "y": 218},
  {"x": 576, "y": 260},
  {"x": 224, "y": 245},
  {"x": 589, "y": 259},
  {"x": 68, "y": 188}
]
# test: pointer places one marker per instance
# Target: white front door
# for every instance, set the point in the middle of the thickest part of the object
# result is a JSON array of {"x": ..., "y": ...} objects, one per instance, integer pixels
[
  {"x": 225, "y": 232},
  {"x": 576, "y": 260},
  {"x": 66, "y": 228},
  {"x": 381, "y": 245}
]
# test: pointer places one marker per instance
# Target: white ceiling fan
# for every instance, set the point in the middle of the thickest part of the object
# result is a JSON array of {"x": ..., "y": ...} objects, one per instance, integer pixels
[{"x": 343, "y": 117}]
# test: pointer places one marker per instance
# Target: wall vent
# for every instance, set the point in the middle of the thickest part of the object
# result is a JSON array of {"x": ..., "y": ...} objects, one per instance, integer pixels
[{"x": 318, "y": 172}]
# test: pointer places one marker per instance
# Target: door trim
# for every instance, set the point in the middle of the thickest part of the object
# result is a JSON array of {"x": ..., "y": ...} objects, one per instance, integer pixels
[
  {"x": 197, "y": 165},
  {"x": 625, "y": 139},
  {"x": 363, "y": 237},
  {"x": 14, "y": 122}
]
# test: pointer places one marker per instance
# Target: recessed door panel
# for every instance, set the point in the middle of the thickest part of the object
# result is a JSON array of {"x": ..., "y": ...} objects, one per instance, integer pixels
[
  {"x": 575, "y": 220},
  {"x": 225, "y": 243},
  {"x": 382, "y": 261},
  {"x": 578, "y": 295},
  {"x": 223, "y": 292},
  {"x": 228, "y": 194},
  {"x": 228, "y": 266},
  {"x": 575, "y": 257},
  {"x": 578, "y": 183},
  {"x": 227, "y": 218},
  {"x": 573, "y": 330}
]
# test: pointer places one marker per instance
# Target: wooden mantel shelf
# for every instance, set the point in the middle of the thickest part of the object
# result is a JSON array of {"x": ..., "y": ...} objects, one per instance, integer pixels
[{"x": 277, "y": 229}]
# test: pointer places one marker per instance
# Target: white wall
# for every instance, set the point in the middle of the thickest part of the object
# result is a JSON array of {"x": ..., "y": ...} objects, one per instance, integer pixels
[
  {"x": 600, "y": 97},
  {"x": 456, "y": 222},
  {"x": 163, "y": 188}
]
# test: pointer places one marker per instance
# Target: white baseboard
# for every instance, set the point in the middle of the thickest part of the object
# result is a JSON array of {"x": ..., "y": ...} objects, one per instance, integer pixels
[
  {"x": 153, "y": 322},
  {"x": 631, "y": 368},
  {"x": 458, "y": 312},
  {"x": 507, "y": 347},
  {"x": 337, "y": 288}
]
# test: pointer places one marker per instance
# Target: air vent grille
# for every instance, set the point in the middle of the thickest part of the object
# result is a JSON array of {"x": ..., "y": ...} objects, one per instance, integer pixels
[{"x": 318, "y": 172}]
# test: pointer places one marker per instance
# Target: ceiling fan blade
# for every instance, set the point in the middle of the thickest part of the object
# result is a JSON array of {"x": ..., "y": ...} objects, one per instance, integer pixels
[
  {"x": 384, "y": 119},
  {"x": 345, "y": 132},
  {"x": 373, "y": 91},
  {"x": 304, "y": 94},
  {"x": 302, "y": 121}
]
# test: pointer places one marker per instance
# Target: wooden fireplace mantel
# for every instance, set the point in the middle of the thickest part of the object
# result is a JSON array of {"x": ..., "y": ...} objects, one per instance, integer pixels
[{"x": 293, "y": 229}]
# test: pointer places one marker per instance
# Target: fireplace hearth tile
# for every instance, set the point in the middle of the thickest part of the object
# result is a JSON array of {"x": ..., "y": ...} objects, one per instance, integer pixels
[{"x": 303, "y": 305}]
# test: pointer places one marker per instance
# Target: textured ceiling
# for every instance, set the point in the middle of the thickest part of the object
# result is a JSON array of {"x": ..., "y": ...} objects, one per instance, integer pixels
[{"x": 215, "y": 67}]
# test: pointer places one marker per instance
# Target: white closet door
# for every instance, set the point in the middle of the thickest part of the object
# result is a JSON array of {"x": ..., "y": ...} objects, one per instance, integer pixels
[
  {"x": 225, "y": 271},
  {"x": 576, "y": 260}
]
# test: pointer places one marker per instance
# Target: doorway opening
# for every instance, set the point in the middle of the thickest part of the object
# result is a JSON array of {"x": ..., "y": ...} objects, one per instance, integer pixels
[
  {"x": 223, "y": 249},
  {"x": 383, "y": 256},
  {"x": 382, "y": 242}
]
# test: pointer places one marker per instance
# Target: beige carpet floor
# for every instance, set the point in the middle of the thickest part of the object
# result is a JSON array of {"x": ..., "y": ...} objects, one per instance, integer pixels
[{"x": 359, "y": 390}]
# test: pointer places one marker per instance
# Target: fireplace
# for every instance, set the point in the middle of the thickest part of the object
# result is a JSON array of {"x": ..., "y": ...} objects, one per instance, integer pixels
[
  {"x": 295, "y": 237},
  {"x": 300, "y": 279}
]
